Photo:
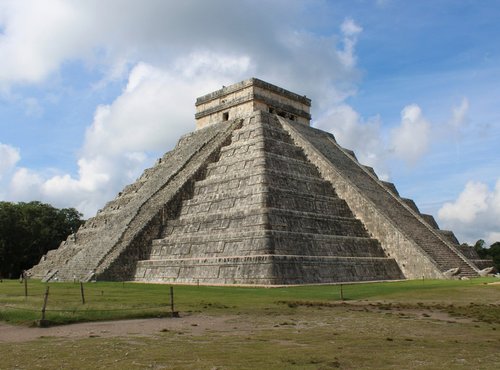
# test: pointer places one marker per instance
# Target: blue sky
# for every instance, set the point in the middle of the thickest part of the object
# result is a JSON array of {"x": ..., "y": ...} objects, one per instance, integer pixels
[{"x": 92, "y": 92}]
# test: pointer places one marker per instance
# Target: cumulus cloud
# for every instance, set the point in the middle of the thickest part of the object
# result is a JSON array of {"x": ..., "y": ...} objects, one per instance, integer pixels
[
  {"x": 25, "y": 185},
  {"x": 154, "y": 109},
  {"x": 410, "y": 140},
  {"x": 475, "y": 212},
  {"x": 471, "y": 202},
  {"x": 39, "y": 37},
  {"x": 363, "y": 137},
  {"x": 29, "y": 50},
  {"x": 9, "y": 156},
  {"x": 169, "y": 53}
]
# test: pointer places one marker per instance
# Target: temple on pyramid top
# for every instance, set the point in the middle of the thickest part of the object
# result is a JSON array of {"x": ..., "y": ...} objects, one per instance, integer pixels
[{"x": 241, "y": 99}]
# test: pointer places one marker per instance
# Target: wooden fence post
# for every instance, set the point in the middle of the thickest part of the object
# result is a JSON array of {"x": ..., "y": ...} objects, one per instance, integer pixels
[
  {"x": 172, "y": 299},
  {"x": 25, "y": 284},
  {"x": 172, "y": 310},
  {"x": 43, "y": 322},
  {"x": 82, "y": 292},
  {"x": 341, "y": 293}
]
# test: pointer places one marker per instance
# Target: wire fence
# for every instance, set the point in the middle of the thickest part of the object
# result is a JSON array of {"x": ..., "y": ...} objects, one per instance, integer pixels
[
  {"x": 81, "y": 300},
  {"x": 91, "y": 301}
]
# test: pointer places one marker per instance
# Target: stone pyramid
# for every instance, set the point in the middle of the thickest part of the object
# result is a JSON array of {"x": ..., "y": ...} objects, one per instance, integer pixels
[{"x": 256, "y": 196}]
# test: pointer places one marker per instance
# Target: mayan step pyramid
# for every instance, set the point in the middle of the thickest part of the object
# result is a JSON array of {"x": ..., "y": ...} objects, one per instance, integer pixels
[{"x": 257, "y": 196}]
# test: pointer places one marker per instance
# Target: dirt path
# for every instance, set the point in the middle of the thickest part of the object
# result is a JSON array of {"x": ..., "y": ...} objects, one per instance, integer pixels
[
  {"x": 199, "y": 324},
  {"x": 196, "y": 324}
]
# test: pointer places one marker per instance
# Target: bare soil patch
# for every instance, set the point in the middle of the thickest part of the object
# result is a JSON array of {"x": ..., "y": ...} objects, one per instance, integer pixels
[
  {"x": 191, "y": 324},
  {"x": 200, "y": 324}
]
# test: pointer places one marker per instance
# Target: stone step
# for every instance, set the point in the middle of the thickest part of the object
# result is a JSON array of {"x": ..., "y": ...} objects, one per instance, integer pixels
[
  {"x": 238, "y": 242},
  {"x": 307, "y": 202},
  {"x": 268, "y": 218},
  {"x": 302, "y": 243},
  {"x": 273, "y": 178},
  {"x": 289, "y": 220},
  {"x": 253, "y": 130},
  {"x": 265, "y": 196},
  {"x": 264, "y": 160},
  {"x": 430, "y": 220},
  {"x": 245, "y": 149},
  {"x": 371, "y": 170},
  {"x": 266, "y": 269},
  {"x": 391, "y": 187},
  {"x": 410, "y": 203},
  {"x": 450, "y": 236},
  {"x": 232, "y": 198}
]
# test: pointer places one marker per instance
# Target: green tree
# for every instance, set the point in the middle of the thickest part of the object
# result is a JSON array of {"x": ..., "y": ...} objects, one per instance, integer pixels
[
  {"x": 494, "y": 253},
  {"x": 30, "y": 230},
  {"x": 480, "y": 248},
  {"x": 491, "y": 252}
]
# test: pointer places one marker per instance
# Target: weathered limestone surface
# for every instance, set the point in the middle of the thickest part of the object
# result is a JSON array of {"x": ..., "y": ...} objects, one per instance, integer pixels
[
  {"x": 245, "y": 97},
  {"x": 264, "y": 215},
  {"x": 108, "y": 245},
  {"x": 405, "y": 235}
]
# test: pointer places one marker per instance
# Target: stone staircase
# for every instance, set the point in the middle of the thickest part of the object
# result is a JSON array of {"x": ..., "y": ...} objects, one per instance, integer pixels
[
  {"x": 108, "y": 245},
  {"x": 395, "y": 221},
  {"x": 264, "y": 215}
]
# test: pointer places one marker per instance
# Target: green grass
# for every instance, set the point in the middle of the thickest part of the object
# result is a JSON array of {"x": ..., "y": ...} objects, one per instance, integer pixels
[
  {"x": 111, "y": 301},
  {"x": 407, "y": 324}
]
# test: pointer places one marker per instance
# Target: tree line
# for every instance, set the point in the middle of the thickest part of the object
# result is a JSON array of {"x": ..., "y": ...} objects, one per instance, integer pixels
[
  {"x": 492, "y": 252},
  {"x": 30, "y": 230}
]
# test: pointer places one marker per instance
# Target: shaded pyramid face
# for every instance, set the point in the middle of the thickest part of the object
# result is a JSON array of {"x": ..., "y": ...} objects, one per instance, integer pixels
[
  {"x": 412, "y": 238},
  {"x": 262, "y": 214}
]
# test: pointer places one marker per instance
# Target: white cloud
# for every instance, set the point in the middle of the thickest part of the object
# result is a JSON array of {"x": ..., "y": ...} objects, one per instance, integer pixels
[
  {"x": 350, "y": 28},
  {"x": 363, "y": 137},
  {"x": 39, "y": 37},
  {"x": 155, "y": 108},
  {"x": 492, "y": 237},
  {"x": 471, "y": 202},
  {"x": 25, "y": 185},
  {"x": 29, "y": 48},
  {"x": 111, "y": 36},
  {"x": 169, "y": 53},
  {"x": 376, "y": 145},
  {"x": 350, "y": 31},
  {"x": 9, "y": 156},
  {"x": 475, "y": 212},
  {"x": 410, "y": 140}
]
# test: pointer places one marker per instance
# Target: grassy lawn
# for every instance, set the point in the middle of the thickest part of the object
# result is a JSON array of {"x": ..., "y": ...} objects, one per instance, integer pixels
[
  {"x": 409, "y": 324},
  {"x": 109, "y": 301}
]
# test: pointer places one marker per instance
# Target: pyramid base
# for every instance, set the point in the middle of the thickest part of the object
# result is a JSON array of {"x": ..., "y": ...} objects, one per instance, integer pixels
[{"x": 268, "y": 270}]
